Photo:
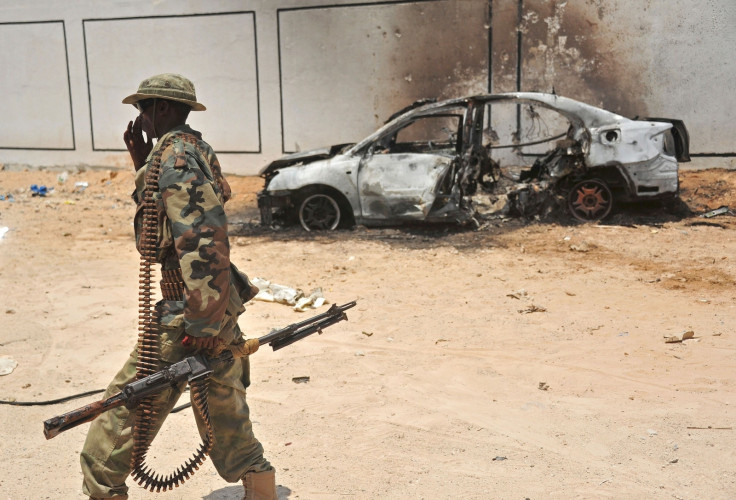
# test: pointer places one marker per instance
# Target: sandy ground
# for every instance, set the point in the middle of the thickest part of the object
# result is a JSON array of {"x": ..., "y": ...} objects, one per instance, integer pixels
[{"x": 521, "y": 360}]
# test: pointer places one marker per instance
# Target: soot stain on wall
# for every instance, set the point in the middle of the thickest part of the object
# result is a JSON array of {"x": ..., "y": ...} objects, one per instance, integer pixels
[
  {"x": 448, "y": 61},
  {"x": 570, "y": 47}
]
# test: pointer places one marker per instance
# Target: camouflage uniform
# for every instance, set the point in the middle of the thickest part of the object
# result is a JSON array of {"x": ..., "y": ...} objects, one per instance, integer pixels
[{"x": 193, "y": 236}]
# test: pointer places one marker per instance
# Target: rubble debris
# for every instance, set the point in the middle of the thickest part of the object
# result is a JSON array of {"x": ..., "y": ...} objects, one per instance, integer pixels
[
  {"x": 582, "y": 247},
  {"x": 706, "y": 224},
  {"x": 313, "y": 301},
  {"x": 711, "y": 428},
  {"x": 41, "y": 191},
  {"x": 273, "y": 292},
  {"x": 300, "y": 380},
  {"x": 679, "y": 338},
  {"x": 543, "y": 386},
  {"x": 718, "y": 211},
  {"x": 7, "y": 365},
  {"x": 532, "y": 309}
]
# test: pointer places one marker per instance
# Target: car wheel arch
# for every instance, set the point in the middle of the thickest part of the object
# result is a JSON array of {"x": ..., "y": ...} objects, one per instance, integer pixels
[
  {"x": 608, "y": 182},
  {"x": 347, "y": 216},
  {"x": 590, "y": 199},
  {"x": 613, "y": 174}
]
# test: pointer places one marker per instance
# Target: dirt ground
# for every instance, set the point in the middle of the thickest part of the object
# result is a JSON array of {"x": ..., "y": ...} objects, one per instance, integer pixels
[{"x": 524, "y": 359}]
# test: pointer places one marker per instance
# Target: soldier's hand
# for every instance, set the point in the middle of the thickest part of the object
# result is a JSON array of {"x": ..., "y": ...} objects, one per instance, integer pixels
[{"x": 136, "y": 144}]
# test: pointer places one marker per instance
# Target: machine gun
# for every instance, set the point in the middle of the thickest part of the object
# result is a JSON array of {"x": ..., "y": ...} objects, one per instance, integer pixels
[{"x": 193, "y": 368}]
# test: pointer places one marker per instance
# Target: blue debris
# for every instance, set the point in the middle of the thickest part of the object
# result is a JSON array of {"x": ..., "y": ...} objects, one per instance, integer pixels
[{"x": 37, "y": 190}]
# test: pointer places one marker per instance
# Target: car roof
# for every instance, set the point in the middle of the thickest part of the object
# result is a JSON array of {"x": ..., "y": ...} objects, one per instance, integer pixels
[{"x": 576, "y": 112}]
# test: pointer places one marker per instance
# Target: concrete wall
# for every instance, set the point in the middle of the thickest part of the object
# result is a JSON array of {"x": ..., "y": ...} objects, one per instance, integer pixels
[{"x": 285, "y": 75}]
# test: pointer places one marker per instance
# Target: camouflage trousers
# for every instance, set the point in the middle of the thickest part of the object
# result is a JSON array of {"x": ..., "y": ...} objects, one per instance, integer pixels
[{"x": 107, "y": 450}]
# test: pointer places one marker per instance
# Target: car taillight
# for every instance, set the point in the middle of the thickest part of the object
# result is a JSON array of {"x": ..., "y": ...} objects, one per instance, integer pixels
[{"x": 669, "y": 143}]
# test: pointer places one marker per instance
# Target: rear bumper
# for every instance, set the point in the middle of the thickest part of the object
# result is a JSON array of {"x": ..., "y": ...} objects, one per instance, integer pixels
[{"x": 656, "y": 178}]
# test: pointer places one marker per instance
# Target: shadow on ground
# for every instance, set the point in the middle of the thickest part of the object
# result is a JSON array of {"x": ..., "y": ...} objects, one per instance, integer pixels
[
  {"x": 236, "y": 493},
  {"x": 473, "y": 234}
]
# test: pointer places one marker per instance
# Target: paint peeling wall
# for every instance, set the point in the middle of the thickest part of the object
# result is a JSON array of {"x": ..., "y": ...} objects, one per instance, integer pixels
[{"x": 282, "y": 75}]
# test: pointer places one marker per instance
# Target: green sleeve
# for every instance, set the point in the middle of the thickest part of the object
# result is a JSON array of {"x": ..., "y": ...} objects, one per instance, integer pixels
[{"x": 199, "y": 230}]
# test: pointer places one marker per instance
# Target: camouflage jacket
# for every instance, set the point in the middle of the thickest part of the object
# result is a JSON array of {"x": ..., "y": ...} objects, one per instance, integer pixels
[{"x": 192, "y": 234}]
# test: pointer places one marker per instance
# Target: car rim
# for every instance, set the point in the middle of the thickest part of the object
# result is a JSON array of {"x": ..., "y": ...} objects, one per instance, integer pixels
[
  {"x": 319, "y": 212},
  {"x": 590, "y": 200}
]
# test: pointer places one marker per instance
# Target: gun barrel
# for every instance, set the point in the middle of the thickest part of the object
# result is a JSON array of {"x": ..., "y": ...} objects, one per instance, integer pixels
[
  {"x": 334, "y": 310},
  {"x": 306, "y": 331}
]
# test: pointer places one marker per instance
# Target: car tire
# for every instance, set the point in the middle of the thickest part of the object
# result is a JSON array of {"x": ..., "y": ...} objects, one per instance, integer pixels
[
  {"x": 320, "y": 212},
  {"x": 590, "y": 200}
]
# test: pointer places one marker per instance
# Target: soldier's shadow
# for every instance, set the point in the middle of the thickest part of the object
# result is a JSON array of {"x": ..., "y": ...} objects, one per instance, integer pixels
[{"x": 236, "y": 493}]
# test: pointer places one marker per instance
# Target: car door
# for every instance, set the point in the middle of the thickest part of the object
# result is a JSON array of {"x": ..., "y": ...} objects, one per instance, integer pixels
[{"x": 402, "y": 171}]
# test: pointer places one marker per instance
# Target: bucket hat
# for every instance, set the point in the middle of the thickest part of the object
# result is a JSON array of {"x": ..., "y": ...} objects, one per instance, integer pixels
[{"x": 167, "y": 86}]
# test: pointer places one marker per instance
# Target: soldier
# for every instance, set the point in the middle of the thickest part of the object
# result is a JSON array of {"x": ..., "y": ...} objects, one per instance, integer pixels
[{"x": 203, "y": 296}]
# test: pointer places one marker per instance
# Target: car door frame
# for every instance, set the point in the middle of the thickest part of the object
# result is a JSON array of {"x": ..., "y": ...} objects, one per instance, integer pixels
[{"x": 416, "y": 201}]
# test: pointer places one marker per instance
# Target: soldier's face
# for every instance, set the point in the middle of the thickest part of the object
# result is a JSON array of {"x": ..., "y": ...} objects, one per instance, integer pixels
[{"x": 146, "y": 114}]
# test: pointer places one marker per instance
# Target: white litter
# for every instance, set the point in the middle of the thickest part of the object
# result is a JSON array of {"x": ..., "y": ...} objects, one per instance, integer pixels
[
  {"x": 314, "y": 301},
  {"x": 3, "y": 230},
  {"x": 7, "y": 365},
  {"x": 273, "y": 292}
]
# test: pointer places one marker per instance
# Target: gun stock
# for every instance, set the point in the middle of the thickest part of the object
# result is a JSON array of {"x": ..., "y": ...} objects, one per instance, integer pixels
[{"x": 56, "y": 425}]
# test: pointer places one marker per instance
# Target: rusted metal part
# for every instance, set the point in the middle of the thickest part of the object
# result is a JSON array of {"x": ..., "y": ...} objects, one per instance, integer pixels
[
  {"x": 718, "y": 211},
  {"x": 172, "y": 288}
]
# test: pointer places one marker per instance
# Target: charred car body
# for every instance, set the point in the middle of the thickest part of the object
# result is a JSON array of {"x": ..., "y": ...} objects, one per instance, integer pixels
[{"x": 430, "y": 162}]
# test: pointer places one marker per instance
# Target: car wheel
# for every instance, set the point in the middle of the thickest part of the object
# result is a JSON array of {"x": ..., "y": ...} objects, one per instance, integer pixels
[
  {"x": 319, "y": 212},
  {"x": 590, "y": 200}
]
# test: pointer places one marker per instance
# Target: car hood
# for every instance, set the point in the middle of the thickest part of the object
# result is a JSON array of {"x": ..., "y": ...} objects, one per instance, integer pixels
[{"x": 303, "y": 157}]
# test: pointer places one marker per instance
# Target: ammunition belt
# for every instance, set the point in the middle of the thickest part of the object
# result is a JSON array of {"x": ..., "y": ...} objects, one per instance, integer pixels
[
  {"x": 172, "y": 288},
  {"x": 172, "y": 284}
]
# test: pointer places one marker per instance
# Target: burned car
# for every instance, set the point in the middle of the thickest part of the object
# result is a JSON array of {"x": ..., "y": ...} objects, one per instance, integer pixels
[{"x": 436, "y": 161}]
